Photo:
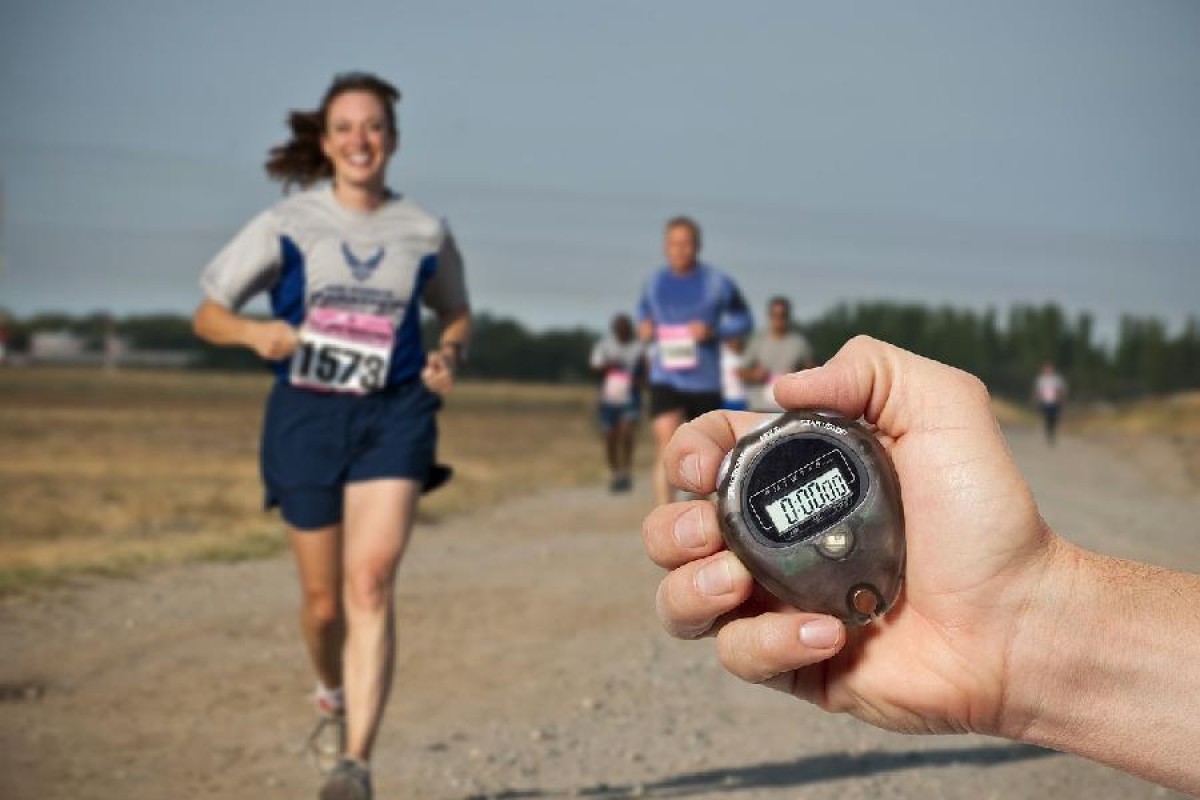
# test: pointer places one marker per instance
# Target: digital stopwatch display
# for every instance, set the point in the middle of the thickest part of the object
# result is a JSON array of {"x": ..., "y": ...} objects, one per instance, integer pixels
[{"x": 801, "y": 488}]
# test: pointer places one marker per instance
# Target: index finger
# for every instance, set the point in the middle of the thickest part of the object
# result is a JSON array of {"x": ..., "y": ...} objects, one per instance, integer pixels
[
  {"x": 694, "y": 454},
  {"x": 677, "y": 533}
]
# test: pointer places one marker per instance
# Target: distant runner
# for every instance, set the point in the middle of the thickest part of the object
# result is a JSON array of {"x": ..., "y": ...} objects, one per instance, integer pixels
[
  {"x": 686, "y": 308},
  {"x": 773, "y": 353},
  {"x": 1049, "y": 393},
  {"x": 350, "y": 433},
  {"x": 619, "y": 360}
]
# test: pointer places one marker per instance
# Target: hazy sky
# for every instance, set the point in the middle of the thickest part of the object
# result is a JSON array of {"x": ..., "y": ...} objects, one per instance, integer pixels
[{"x": 977, "y": 153}]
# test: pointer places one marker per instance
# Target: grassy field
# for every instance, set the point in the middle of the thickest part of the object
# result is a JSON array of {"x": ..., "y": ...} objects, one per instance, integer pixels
[{"x": 110, "y": 472}]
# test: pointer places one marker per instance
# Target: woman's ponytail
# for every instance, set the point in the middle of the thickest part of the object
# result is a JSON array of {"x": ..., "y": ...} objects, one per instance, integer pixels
[{"x": 300, "y": 159}]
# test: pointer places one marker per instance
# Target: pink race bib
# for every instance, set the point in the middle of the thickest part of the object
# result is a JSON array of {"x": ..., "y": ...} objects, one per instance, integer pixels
[
  {"x": 341, "y": 351},
  {"x": 676, "y": 347},
  {"x": 618, "y": 388}
]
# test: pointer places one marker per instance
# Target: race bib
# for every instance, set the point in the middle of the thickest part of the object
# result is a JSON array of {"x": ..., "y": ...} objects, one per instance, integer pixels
[
  {"x": 341, "y": 351},
  {"x": 618, "y": 388},
  {"x": 676, "y": 347}
]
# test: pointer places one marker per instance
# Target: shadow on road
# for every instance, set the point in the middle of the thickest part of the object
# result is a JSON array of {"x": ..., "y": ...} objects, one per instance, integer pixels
[{"x": 782, "y": 774}]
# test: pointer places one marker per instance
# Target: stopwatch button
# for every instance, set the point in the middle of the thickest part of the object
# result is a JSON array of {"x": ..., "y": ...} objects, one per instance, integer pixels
[
  {"x": 837, "y": 542},
  {"x": 863, "y": 600}
]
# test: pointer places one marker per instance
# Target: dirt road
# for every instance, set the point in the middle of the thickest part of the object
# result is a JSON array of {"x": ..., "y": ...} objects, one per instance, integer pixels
[{"x": 531, "y": 666}]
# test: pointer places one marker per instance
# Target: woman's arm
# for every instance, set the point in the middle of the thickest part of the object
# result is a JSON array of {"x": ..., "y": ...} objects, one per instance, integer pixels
[
  {"x": 271, "y": 340},
  {"x": 442, "y": 363},
  {"x": 456, "y": 334}
]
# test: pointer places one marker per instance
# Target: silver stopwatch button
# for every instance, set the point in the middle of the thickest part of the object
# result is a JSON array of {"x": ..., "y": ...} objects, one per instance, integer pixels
[{"x": 837, "y": 542}]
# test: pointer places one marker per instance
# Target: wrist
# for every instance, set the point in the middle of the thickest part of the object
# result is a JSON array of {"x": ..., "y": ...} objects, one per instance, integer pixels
[
  {"x": 1039, "y": 667},
  {"x": 453, "y": 354},
  {"x": 246, "y": 332},
  {"x": 1106, "y": 667}
]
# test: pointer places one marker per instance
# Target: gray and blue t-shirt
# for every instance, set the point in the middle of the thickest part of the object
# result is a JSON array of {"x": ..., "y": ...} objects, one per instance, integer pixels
[{"x": 310, "y": 251}]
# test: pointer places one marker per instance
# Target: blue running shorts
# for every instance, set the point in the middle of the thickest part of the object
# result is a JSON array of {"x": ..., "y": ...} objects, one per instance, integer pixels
[{"x": 314, "y": 443}]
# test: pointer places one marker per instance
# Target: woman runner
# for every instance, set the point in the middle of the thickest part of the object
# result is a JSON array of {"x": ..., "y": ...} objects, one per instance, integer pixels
[{"x": 349, "y": 433}]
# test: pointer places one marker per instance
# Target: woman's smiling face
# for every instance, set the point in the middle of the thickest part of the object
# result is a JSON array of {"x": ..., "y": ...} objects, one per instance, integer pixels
[{"x": 358, "y": 139}]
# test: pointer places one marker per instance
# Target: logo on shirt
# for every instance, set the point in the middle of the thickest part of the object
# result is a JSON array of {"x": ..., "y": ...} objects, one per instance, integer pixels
[{"x": 361, "y": 268}]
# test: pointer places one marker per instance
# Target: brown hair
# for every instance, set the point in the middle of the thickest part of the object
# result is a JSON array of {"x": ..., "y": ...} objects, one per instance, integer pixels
[
  {"x": 300, "y": 159},
  {"x": 780, "y": 300},
  {"x": 685, "y": 222}
]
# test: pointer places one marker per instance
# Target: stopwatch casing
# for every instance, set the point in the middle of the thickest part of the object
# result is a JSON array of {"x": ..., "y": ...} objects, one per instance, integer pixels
[{"x": 810, "y": 503}]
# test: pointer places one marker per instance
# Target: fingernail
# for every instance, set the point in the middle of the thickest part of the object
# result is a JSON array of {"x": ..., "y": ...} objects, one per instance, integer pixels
[
  {"x": 689, "y": 531},
  {"x": 820, "y": 634},
  {"x": 718, "y": 577},
  {"x": 691, "y": 470}
]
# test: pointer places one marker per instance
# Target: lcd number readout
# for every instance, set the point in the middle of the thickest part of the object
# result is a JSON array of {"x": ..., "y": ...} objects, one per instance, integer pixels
[{"x": 803, "y": 502}]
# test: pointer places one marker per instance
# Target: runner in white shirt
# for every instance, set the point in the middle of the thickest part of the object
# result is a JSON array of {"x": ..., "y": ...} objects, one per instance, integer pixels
[
  {"x": 619, "y": 360},
  {"x": 733, "y": 388},
  {"x": 1049, "y": 393}
]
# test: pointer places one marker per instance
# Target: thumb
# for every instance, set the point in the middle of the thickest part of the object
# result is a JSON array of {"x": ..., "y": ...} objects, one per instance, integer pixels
[{"x": 893, "y": 389}]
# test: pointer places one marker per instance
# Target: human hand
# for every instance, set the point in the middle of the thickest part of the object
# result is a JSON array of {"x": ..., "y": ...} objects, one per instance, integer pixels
[
  {"x": 273, "y": 340},
  {"x": 437, "y": 375},
  {"x": 977, "y": 550},
  {"x": 701, "y": 331}
]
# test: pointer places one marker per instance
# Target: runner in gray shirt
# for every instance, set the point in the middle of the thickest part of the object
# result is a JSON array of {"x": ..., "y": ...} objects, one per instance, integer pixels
[
  {"x": 350, "y": 431},
  {"x": 773, "y": 353}
]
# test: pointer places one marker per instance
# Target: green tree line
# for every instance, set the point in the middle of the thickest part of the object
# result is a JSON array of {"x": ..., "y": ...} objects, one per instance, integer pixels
[{"x": 1005, "y": 351}]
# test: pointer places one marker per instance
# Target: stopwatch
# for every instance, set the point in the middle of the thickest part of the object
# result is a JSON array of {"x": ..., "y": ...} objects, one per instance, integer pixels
[{"x": 810, "y": 502}]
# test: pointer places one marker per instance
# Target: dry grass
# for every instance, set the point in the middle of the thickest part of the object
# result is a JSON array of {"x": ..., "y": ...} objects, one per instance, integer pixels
[
  {"x": 111, "y": 472},
  {"x": 1010, "y": 413},
  {"x": 1173, "y": 421},
  {"x": 1174, "y": 415}
]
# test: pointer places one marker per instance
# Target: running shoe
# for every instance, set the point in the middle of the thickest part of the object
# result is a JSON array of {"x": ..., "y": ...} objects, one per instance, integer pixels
[
  {"x": 349, "y": 780},
  {"x": 327, "y": 741}
]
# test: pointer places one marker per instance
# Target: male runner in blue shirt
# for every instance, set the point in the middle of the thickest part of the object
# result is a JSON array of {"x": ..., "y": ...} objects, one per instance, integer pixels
[{"x": 686, "y": 309}]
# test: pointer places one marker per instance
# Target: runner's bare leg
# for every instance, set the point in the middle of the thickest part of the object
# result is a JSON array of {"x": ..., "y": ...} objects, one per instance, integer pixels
[
  {"x": 379, "y": 517},
  {"x": 612, "y": 448},
  {"x": 625, "y": 433},
  {"x": 319, "y": 568}
]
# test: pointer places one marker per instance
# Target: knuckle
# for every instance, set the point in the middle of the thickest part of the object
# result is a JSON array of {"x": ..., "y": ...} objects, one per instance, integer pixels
[
  {"x": 663, "y": 603},
  {"x": 864, "y": 343},
  {"x": 972, "y": 387},
  {"x": 739, "y": 648},
  {"x": 650, "y": 538},
  {"x": 676, "y": 609},
  {"x": 727, "y": 650}
]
